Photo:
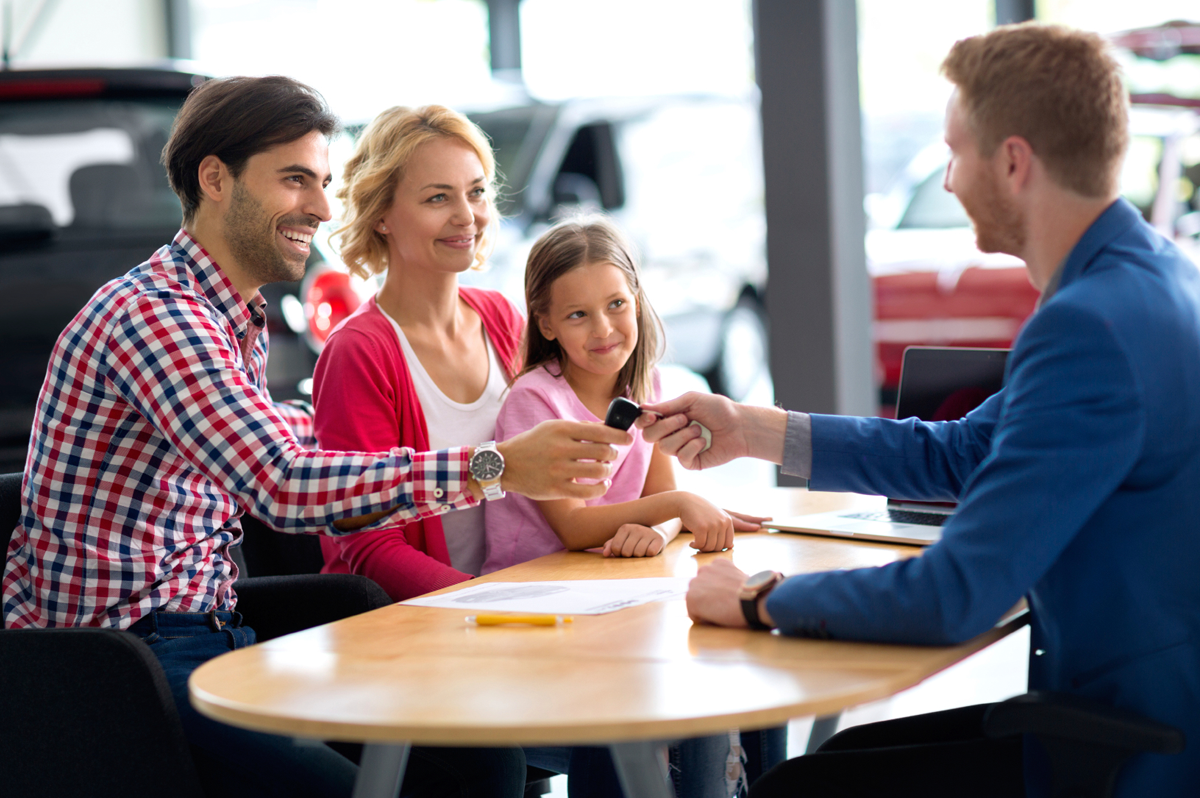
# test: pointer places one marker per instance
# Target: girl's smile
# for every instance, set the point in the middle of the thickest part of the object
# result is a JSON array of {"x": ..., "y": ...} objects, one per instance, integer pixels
[{"x": 593, "y": 316}]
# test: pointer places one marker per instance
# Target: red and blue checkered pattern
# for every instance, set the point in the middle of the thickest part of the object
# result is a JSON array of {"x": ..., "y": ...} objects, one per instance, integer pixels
[{"x": 152, "y": 436}]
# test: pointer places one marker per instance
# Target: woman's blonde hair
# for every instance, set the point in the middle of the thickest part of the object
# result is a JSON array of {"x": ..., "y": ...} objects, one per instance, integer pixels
[
  {"x": 567, "y": 246},
  {"x": 378, "y": 165}
]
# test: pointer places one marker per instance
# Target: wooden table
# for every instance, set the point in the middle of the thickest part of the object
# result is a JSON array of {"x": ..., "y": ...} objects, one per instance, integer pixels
[{"x": 640, "y": 676}]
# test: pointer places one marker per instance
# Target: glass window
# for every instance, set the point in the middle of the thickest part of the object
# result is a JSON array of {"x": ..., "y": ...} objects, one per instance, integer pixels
[
  {"x": 92, "y": 163},
  {"x": 508, "y": 131},
  {"x": 933, "y": 206},
  {"x": 1139, "y": 173}
]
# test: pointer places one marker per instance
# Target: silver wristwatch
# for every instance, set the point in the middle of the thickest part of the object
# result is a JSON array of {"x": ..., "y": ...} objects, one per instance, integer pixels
[{"x": 487, "y": 466}]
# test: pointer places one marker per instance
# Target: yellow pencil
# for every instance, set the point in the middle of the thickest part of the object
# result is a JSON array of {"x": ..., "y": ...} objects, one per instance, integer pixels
[{"x": 535, "y": 620}]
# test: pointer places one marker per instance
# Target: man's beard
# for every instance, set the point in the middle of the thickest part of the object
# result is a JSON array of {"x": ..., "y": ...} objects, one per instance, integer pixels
[
  {"x": 251, "y": 237},
  {"x": 996, "y": 219}
]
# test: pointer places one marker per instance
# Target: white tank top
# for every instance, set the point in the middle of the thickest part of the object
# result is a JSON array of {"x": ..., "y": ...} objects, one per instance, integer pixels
[{"x": 453, "y": 424}]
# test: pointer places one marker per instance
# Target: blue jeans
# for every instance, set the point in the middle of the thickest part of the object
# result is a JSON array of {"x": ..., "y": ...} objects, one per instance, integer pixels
[
  {"x": 590, "y": 770},
  {"x": 238, "y": 762}
]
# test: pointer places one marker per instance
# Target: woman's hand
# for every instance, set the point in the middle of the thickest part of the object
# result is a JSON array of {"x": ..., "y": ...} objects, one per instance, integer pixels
[
  {"x": 636, "y": 540},
  {"x": 711, "y": 527}
]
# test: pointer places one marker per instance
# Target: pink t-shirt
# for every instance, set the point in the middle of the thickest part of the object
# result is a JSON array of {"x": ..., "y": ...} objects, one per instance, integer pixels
[{"x": 516, "y": 529}]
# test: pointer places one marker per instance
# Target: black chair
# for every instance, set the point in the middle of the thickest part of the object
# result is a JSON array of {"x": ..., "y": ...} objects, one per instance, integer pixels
[
  {"x": 88, "y": 712},
  {"x": 1087, "y": 742},
  {"x": 266, "y": 552},
  {"x": 77, "y": 704},
  {"x": 10, "y": 506}
]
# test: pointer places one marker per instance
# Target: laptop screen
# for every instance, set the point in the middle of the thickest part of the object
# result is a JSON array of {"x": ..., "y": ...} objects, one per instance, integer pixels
[{"x": 944, "y": 383}]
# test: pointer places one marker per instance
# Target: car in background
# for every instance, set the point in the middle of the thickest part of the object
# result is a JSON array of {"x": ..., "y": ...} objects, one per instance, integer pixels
[
  {"x": 932, "y": 286},
  {"x": 83, "y": 199},
  {"x": 682, "y": 176}
]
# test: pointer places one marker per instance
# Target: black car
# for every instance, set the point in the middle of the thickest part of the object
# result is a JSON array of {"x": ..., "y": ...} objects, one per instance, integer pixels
[{"x": 83, "y": 199}]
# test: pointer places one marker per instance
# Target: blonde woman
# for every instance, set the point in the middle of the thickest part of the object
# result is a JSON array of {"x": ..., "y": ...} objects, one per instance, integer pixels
[
  {"x": 422, "y": 364},
  {"x": 425, "y": 362}
]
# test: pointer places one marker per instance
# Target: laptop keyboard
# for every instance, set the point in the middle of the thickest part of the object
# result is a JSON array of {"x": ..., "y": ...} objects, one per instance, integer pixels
[{"x": 901, "y": 517}]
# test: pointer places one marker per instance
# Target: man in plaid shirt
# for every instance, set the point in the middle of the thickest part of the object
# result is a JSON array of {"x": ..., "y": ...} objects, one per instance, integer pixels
[{"x": 155, "y": 429}]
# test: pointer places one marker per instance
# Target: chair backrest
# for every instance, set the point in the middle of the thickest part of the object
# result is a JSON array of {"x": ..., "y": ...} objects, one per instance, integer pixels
[
  {"x": 270, "y": 553},
  {"x": 10, "y": 508},
  {"x": 279, "y": 605},
  {"x": 89, "y": 712}
]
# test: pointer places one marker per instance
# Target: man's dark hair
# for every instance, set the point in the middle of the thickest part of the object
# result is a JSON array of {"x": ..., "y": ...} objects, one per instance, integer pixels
[{"x": 234, "y": 119}]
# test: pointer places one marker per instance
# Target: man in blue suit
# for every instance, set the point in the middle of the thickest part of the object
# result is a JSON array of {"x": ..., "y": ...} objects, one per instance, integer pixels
[{"x": 1078, "y": 483}]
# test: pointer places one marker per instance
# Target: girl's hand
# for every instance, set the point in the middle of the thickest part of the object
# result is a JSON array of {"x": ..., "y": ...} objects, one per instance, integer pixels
[
  {"x": 635, "y": 540},
  {"x": 743, "y": 522},
  {"x": 711, "y": 527}
]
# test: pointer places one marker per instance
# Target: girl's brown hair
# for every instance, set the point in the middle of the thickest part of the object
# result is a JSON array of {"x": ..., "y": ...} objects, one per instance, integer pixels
[
  {"x": 569, "y": 245},
  {"x": 378, "y": 165}
]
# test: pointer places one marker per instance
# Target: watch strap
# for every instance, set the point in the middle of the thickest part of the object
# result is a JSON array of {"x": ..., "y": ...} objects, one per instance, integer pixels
[{"x": 749, "y": 602}]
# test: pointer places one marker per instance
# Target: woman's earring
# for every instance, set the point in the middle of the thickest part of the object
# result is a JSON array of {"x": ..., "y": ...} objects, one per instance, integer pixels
[{"x": 383, "y": 229}]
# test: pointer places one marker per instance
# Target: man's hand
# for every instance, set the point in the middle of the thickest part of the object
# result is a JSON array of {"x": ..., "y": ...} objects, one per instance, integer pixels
[
  {"x": 544, "y": 462},
  {"x": 712, "y": 596},
  {"x": 737, "y": 430}
]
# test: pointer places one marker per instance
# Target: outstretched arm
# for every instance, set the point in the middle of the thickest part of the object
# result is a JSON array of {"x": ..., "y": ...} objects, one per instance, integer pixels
[{"x": 737, "y": 430}]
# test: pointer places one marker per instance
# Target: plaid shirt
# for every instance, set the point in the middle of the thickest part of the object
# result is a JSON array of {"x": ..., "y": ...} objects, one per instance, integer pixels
[{"x": 153, "y": 432}]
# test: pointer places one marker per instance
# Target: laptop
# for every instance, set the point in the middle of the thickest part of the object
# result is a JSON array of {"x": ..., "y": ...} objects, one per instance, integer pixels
[{"x": 936, "y": 384}]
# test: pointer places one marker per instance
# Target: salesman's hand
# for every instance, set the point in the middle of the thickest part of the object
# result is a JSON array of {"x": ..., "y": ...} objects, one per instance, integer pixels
[
  {"x": 737, "y": 430},
  {"x": 544, "y": 462},
  {"x": 712, "y": 596},
  {"x": 675, "y": 436}
]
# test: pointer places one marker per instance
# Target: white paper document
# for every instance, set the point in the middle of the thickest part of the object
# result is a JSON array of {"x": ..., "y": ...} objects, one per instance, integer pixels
[{"x": 578, "y": 597}]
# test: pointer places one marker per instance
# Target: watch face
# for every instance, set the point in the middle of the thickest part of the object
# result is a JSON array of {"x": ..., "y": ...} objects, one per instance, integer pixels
[
  {"x": 757, "y": 581},
  {"x": 486, "y": 464}
]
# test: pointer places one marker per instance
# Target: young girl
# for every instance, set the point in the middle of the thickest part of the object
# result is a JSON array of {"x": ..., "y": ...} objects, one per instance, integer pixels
[{"x": 592, "y": 336}]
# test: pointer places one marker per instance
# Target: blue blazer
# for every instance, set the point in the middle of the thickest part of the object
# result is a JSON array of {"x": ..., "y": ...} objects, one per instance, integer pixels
[{"x": 1079, "y": 489}]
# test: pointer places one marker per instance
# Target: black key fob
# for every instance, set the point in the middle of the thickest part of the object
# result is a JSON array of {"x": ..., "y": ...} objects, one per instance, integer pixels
[{"x": 622, "y": 413}]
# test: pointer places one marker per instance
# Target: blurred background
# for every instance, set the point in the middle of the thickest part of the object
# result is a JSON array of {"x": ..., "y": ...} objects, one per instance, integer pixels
[{"x": 663, "y": 113}]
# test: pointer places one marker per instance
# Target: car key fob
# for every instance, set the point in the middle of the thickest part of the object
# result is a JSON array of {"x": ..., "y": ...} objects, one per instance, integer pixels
[{"x": 622, "y": 413}]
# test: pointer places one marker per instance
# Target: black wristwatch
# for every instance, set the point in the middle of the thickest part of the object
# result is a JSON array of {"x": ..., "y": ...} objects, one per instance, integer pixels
[{"x": 754, "y": 588}]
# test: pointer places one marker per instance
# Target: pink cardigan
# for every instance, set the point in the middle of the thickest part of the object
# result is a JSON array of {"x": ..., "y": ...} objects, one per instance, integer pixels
[{"x": 364, "y": 401}]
